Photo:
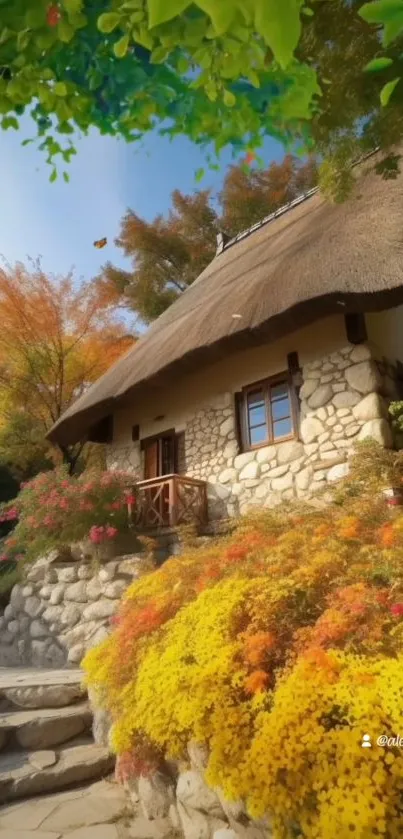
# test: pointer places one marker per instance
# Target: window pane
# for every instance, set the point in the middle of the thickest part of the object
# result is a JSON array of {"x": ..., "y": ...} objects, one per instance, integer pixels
[
  {"x": 257, "y": 415},
  {"x": 282, "y": 428},
  {"x": 258, "y": 435},
  {"x": 255, "y": 397},
  {"x": 278, "y": 391},
  {"x": 281, "y": 409}
]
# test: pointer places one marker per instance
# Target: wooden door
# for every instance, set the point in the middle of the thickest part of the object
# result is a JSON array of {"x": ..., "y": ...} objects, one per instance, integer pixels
[{"x": 151, "y": 459}]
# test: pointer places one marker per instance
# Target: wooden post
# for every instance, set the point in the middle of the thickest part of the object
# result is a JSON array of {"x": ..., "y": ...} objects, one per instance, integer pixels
[{"x": 173, "y": 497}]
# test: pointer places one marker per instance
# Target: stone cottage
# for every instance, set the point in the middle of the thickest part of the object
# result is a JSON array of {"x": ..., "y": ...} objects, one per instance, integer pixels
[{"x": 253, "y": 386}]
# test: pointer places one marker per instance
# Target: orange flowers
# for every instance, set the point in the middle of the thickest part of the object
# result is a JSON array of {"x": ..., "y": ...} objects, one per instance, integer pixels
[
  {"x": 257, "y": 682},
  {"x": 257, "y": 646},
  {"x": 387, "y": 536},
  {"x": 349, "y": 527}
]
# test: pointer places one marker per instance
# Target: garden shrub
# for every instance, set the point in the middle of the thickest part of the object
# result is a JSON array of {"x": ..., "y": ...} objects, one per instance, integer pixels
[
  {"x": 56, "y": 509},
  {"x": 278, "y": 647}
]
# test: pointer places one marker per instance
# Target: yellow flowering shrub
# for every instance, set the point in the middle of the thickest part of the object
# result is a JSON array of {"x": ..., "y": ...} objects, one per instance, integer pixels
[{"x": 278, "y": 647}]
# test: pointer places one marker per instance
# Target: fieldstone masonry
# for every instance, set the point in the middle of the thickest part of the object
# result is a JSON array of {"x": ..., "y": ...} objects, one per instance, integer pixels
[
  {"x": 343, "y": 398},
  {"x": 62, "y": 610}
]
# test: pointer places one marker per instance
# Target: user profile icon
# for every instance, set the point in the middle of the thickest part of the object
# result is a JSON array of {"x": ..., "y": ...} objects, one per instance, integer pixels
[{"x": 366, "y": 741}]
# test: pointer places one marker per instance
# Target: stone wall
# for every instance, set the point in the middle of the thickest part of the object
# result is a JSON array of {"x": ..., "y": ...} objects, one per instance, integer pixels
[
  {"x": 180, "y": 793},
  {"x": 343, "y": 398},
  {"x": 61, "y": 610}
]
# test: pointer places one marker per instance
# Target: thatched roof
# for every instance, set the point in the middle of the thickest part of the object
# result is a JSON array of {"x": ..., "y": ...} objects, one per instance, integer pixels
[{"x": 312, "y": 260}]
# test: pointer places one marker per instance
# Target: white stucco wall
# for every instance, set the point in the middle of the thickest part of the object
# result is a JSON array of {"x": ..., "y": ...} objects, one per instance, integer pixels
[{"x": 385, "y": 332}]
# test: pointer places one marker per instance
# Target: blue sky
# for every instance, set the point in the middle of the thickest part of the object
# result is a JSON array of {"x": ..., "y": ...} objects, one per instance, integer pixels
[{"x": 60, "y": 221}]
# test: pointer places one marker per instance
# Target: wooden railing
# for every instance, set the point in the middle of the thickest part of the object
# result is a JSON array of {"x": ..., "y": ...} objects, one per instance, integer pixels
[{"x": 169, "y": 501}]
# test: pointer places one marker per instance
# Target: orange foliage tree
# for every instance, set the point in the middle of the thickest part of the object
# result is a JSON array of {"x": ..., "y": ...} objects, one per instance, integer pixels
[
  {"x": 57, "y": 336},
  {"x": 170, "y": 252}
]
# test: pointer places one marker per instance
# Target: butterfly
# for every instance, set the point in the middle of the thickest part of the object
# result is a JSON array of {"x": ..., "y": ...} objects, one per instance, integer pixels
[
  {"x": 100, "y": 243},
  {"x": 250, "y": 157}
]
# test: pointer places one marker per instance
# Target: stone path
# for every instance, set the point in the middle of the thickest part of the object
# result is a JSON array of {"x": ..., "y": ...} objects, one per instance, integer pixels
[{"x": 99, "y": 811}]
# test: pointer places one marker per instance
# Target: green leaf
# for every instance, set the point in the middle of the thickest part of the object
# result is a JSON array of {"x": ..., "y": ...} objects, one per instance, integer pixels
[
  {"x": 9, "y": 122},
  {"x": 229, "y": 98},
  {"x": 35, "y": 18},
  {"x": 95, "y": 80},
  {"x": 60, "y": 89},
  {"x": 307, "y": 11},
  {"x": 5, "y": 35},
  {"x": 136, "y": 17},
  {"x": 108, "y": 22},
  {"x": 159, "y": 55},
  {"x": 280, "y": 26},
  {"x": 159, "y": 11},
  {"x": 253, "y": 78},
  {"x": 65, "y": 32},
  {"x": 23, "y": 39},
  {"x": 199, "y": 175},
  {"x": 378, "y": 64},
  {"x": 182, "y": 65},
  {"x": 53, "y": 176},
  {"x": 121, "y": 46},
  {"x": 387, "y": 12},
  {"x": 73, "y": 7},
  {"x": 387, "y": 91},
  {"x": 211, "y": 90},
  {"x": 220, "y": 12},
  {"x": 66, "y": 177},
  {"x": 143, "y": 37}
]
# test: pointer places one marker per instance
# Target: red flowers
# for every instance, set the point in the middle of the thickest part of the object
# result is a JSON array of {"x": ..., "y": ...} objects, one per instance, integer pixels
[
  {"x": 100, "y": 534},
  {"x": 130, "y": 499},
  {"x": 397, "y": 610},
  {"x": 53, "y": 15}
]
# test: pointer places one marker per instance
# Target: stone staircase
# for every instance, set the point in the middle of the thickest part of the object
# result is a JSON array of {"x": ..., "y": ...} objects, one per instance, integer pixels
[{"x": 46, "y": 742}]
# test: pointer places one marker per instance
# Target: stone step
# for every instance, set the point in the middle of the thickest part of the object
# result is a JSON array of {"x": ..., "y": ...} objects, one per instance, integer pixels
[
  {"x": 45, "y": 727},
  {"x": 25, "y": 774},
  {"x": 29, "y": 687}
]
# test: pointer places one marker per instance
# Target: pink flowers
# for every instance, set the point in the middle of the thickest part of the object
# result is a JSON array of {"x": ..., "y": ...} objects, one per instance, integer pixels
[
  {"x": 397, "y": 610},
  {"x": 130, "y": 499},
  {"x": 9, "y": 515},
  {"x": 111, "y": 532},
  {"x": 100, "y": 534}
]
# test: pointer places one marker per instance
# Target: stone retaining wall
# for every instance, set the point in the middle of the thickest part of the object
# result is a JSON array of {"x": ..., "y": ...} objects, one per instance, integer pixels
[
  {"x": 61, "y": 610},
  {"x": 195, "y": 810}
]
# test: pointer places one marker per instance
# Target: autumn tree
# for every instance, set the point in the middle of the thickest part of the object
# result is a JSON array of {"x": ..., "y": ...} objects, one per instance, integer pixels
[
  {"x": 57, "y": 336},
  {"x": 168, "y": 254},
  {"x": 248, "y": 195}
]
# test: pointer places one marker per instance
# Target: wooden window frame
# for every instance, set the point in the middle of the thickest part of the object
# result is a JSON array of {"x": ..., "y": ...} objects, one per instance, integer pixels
[{"x": 265, "y": 385}]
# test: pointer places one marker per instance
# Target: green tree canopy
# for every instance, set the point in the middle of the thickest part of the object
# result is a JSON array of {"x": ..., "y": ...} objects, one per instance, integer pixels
[{"x": 229, "y": 72}]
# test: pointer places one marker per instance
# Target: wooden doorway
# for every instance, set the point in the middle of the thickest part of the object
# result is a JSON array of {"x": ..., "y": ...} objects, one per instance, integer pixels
[
  {"x": 159, "y": 455},
  {"x": 159, "y": 460}
]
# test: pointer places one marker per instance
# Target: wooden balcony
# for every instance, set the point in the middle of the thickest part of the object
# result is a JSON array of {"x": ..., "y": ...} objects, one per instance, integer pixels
[{"x": 169, "y": 501}]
